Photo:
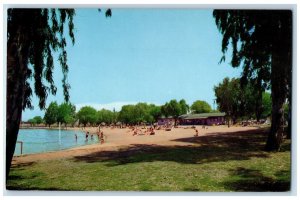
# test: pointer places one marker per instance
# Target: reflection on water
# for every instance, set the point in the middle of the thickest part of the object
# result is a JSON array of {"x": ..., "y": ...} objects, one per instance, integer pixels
[{"x": 43, "y": 140}]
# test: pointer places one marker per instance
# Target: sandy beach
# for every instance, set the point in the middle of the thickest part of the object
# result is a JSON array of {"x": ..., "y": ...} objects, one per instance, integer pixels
[{"x": 116, "y": 138}]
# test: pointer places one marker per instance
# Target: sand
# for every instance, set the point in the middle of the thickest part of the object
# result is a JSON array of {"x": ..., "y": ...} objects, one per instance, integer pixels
[{"x": 116, "y": 138}]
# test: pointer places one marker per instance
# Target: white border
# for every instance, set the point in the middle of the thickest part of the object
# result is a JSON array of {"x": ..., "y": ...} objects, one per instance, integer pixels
[{"x": 164, "y": 4}]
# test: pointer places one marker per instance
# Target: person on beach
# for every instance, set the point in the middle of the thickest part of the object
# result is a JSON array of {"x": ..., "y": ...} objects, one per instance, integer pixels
[
  {"x": 76, "y": 137},
  {"x": 92, "y": 137},
  {"x": 135, "y": 132},
  {"x": 152, "y": 131},
  {"x": 197, "y": 133},
  {"x": 101, "y": 137}
]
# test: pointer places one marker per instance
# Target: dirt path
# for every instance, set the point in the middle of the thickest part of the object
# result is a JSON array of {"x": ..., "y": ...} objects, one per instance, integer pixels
[{"x": 119, "y": 138}]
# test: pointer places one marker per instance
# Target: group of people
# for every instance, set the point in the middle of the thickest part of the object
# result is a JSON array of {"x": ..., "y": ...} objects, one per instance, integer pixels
[
  {"x": 87, "y": 134},
  {"x": 148, "y": 131},
  {"x": 136, "y": 131}
]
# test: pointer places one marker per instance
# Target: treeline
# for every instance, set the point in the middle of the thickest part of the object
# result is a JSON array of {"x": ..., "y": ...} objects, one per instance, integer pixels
[
  {"x": 65, "y": 113},
  {"x": 238, "y": 101}
]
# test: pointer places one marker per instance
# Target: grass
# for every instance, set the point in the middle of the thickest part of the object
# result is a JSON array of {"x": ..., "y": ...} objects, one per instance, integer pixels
[{"x": 215, "y": 163}]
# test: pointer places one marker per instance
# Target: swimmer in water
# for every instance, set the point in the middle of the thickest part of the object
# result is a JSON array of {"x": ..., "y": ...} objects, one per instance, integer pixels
[{"x": 86, "y": 136}]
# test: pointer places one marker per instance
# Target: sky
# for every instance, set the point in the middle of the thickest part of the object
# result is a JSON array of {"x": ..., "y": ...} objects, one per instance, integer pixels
[{"x": 141, "y": 55}]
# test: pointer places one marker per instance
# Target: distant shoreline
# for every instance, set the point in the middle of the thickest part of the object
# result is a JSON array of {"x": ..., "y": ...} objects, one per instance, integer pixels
[
  {"x": 44, "y": 127},
  {"x": 91, "y": 130}
]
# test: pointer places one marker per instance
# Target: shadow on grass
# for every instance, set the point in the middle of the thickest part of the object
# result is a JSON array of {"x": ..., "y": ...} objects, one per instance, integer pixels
[
  {"x": 285, "y": 147},
  {"x": 21, "y": 165},
  {"x": 15, "y": 183},
  {"x": 215, "y": 147},
  {"x": 254, "y": 181},
  {"x": 191, "y": 189},
  {"x": 16, "y": 178},
  {"x": 22, "y": 188}
]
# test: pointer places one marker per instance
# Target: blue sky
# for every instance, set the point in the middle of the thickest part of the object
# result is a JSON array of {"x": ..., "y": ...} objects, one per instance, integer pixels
[{"x": 142, "y": 55}]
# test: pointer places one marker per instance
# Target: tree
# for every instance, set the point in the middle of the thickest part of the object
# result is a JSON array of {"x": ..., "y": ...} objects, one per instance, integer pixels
[
  {"x": 164, "y": 110},
  {"x": 87, "y": 115},
  {"x": 139, "y": 113},
  {"x": 66, "y": 113},
  {"x": 38, "y": 119},
  {"x": 136, "y": 114},
  {"x": 250, "y": 101},
  {"x": 201, "y": 107},
  {"x": 35, "y": 120},
  {"x": 262, "y": 43},
  {"x": 240, "y": 101},
  {"x": 155, "y": 112},
  {"x": 30, "y": 47},
  {"x": 228, "y": 98},
  {"x": 105, "y": 116},
  {"x": 184, "y": 107},
  {"x": 142, "y": 113},
  {"x": 173, "y": 109},
  {"x": 127, "y": 114},
  {"x": 51, "y": 113},
  {"x": 32, "y": 122}
]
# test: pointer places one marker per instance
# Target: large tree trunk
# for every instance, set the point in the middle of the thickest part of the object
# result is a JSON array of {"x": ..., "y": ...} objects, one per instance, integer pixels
[
  {"x": 281, "y": 57},
  {"x": 275, "y": 136},
  {"x": 16, "y": 77}
]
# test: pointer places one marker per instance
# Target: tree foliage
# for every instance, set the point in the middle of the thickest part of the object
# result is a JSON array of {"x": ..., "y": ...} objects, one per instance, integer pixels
[
  {"x": 174, "y": 109},
  {"x": 33, "y": 36},
  {"x": 127, "y": 114},
  {"x": 36, "y": 120},
  {"x": 261, "y": 42},
  {"x": 66, "y": 113},
  {"x": 51, "y": 113},
  {"x": 201, "y": 107},
  {"x": 185, "y": 108},
  {"x": 266, "y": 105},
  {"x": 139, "y": 113},
  {"x": 155, "y": 112},
  {"x": 39, "y": 33},
  {"x": 241, "y": 101},
  {"x": 106, "y": 116},
  {"x": 228, "y": 95},
  {"x": 87, "y": 114}
]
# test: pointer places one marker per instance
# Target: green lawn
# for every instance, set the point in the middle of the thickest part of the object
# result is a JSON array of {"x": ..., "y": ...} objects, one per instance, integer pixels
[{"x": 231, "y": 162}]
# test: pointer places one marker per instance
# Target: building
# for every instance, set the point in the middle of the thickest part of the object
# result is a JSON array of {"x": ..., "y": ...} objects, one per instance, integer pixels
[
  {"x": 202, "y": 119},
  {"x": 165, "y": 121}
]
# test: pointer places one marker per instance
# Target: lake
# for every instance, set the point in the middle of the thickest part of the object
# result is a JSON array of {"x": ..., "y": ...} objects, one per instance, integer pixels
[{"x": 44, "y": 140}]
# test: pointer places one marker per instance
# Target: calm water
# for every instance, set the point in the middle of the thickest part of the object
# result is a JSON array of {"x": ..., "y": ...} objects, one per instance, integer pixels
[{"x": 43, "y": 140}]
